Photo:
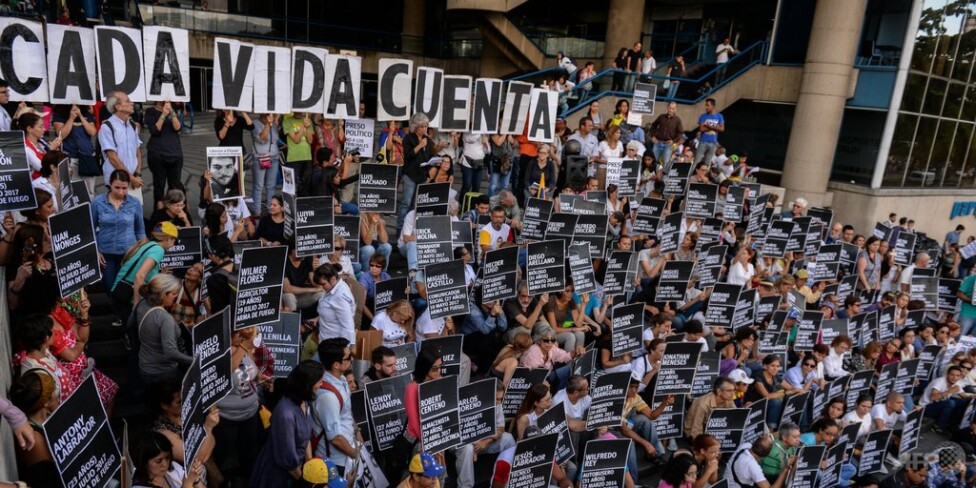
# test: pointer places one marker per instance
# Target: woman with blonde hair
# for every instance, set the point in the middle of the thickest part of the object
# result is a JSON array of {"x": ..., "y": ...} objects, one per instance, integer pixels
[
  {"x": 140, "y": 264},
  {"x": 396, "y": 323},
  {"x": 508, "y": 358}
]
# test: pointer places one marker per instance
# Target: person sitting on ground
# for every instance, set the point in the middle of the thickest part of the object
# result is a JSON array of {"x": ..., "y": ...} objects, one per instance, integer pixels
[{"x": 744, "y": 470}]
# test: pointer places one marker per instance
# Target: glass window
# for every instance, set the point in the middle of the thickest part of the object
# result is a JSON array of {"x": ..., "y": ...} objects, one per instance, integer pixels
[
  {"x": 940, "y": 150},
  {"x": 953, "y": 100},
  {"x": 911, "y": 101},
  {"x": 958, "y": 150},
  {"x": 918, "y": 173},
  {"x": 934, "y": 96},
  {"x": 901, "y": 148},
  {"x": 929, "y": 29},
  {"x": 969, "y": 104}
]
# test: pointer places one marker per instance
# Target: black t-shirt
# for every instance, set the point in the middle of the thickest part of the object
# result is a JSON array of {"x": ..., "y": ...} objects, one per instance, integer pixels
[
  {"x": 633, "y": 60},
  {"x": 412, "y": 161},
  {"x": 270, "y": 230},
  {"x": 235, "y": 133},
  {"x": 160, "y": 215},
  {"x": 513, "y": 309},
  {"x": 298, "y": 276}
]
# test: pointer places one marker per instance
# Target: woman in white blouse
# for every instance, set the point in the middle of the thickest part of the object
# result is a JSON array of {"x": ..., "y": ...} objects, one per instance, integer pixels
[
  {"x": 611, "y": 147},
  {"x": 396, "y": 323},
  {"x": 860, "y": 415},
  {"x": 742, "y": 271}
]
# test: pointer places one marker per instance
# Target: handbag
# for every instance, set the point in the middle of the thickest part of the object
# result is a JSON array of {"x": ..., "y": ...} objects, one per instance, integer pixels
[
  {"x": 492, "y": 162},
  {"x": 89, "y": 166},
  {"x": 264, "y": 162}
]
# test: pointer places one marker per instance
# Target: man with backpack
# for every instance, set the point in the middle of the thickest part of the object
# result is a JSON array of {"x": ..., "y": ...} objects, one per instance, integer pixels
[
  {"x": 119, "y": 143},
  {"x": 334, "y": 434}
]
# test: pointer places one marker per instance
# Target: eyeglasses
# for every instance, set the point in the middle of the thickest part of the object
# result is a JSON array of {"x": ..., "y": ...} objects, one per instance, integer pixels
[
  {"x": 374, "y": 265},
  {"x": 347, "y": 358},
  {"x": 728, "y": 390},
  {"x": 547, "y": 341}
]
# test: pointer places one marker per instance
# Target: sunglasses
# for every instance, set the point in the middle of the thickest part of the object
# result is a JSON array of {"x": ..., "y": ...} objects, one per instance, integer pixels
[
  {"x": 547, "y": 341},
  {"x": 810, "y": 365},
  {"x": 339, "y": 248},
  {"x": 376, "y": 266}
]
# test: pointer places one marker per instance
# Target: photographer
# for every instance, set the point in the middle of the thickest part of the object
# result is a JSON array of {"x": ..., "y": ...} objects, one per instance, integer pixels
[{"x": 328, "y": 182}]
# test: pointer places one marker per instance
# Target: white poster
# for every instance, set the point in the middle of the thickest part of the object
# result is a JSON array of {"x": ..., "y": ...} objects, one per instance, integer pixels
[
  {"x": 308, "y": 79},
  {"x": 393, "y": 99},
  {"x": 427, "y": 99},
  {"x": 516, "y": 110},
  {"x": 233, "y": 78},
  {"x": 22, "y": 61},
  {"x": 456, "y": 114},
  {"x": 71, "y": 65},
  {"x": 118, "y": 52},
  {"x": 272, "y": 80},
  {"x": 360, "y": 134},
  {"x": 487, "y": 105},
  {"x": 342, "y": 77},
  {"x": 167, "y": 63},
  {"x": 542, "y": 113}
]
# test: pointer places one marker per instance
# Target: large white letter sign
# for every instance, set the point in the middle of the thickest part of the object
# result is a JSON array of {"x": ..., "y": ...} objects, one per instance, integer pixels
[
  {"x": 272, "y": 80},
  {"x": 27, "y": 74},
  {"x": 516, "y": 107},
  {"x": 119, "y": 54},
  {"x": 167, "y": 63},
  {"x": 457, "y": 103},
  {"x": 487, "y": 105},
  {"x": 71, "y": 64},
  {"x": 233, "y": 79},
  {"x": 427, "y": 99},
  {"x": 308, "y": 79},
  {"x": 393, "y": 99},
  {"x": 342, "y": 76},
  {"x": 542, "y": 124}
]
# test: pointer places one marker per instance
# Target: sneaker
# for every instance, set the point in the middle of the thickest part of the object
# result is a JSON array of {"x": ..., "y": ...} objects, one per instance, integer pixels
[{"x": 893, "y": 461}]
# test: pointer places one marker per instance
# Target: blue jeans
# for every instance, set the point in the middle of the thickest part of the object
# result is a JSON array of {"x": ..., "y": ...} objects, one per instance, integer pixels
[
  {"x": 943, "y": 411},
  {"x": 349, "y": 208},
  {"x": 644, "y": 427},
  {"x": 367, "y": 251},
  {"x": 470, "y": 179},
  {"x": 264, "y": 184},
  {"x": 113, "y": 263},
  {"x": 409, "y": 251},
  {"x": 406, "y": 199},
  {"x": 662, "y": 152},
  {"x": 498, "y": 181},
  {"x": 673, "y": 89},
  {"x": 774, "y": 410},
  {"x": 967, "y": 324}
]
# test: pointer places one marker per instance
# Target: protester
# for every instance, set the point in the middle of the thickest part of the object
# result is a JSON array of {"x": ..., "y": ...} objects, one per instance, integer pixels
[{"x": 164, "y": 151}]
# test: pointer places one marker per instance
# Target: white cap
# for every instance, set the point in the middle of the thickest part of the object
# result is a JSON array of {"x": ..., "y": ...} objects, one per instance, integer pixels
[{"x": 739, "y": 376}]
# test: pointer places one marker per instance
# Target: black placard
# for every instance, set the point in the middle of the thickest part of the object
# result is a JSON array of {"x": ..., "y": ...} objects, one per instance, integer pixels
[
  {"x": 16, "y": 191},
  {"x": 821, "y": 216},
  {"x": 735, "y": 200},
  {"x": 776, "y": 239},
  {"x": 585, "y": 363},
  {"x": 545, "y": 267},
  {"x": 926, "y": 288},
  {"x": 447, "y": 294},
  {"x": 74, "y": 248},
  {"x": 239, "y": 248},
  {"x": 211, "y": 347},
  {"x": 833, "y": 389},
  {"x": 535, "y": 218},
  {"x": 595, "y": 196},
  {"x": 947, "y": 299},
  {"x": 288, "y": 207},
  {"x": 813, "y": 240},
  {"x": 670, "y": 424},
  {"x": 192, "y": 412},
  {"x": 439, "y": 421},
  {"x": 700, "y": 200},
  {"x": 81, "y": 441},
  {"x": 284, "y": 339},
  {"x": 186, "y": 251},
  {"x": 674, "y": 280},
  {"x": 523, "y": 379},
  {"x": 581, "y": 269},
  {"x": 389, "y": 291},
  {"x": 450, "y": 348},
  {"x": 904, "y": 248},
  {"x": 406, "y": 357},
  {"x": 553, "y": 421},
  {"x": 314, "y": 226},
  {"x": 566, "y": 202},
  {"x": 721, "y": 305},
  {"x": 462, "y": 235},
  {"x": 861, "y": 382},
  {"x": 669, "y": 232},
  {"x": 911, "y": 431},
  {"x": 562, "y": 227},
  {"x": 873, "y": 452},
  {"x": 377, "y": 187},
  {"x": 927, "y": 359},
  {"x": 823, "y": 271},
  {"x": 434, "y": 242},
  {"x": 620, "y": 273},
  {"x": 360, "y": 415},
  {"x": 755, "y": 422},
  {"x": 710, "y": 266},
  {"x": 433, "y": 199},
  {"x": 676, "y": 179},
  {"x": 591, "y": 205},
  {"x": 757, "y": 210},
  {"x": 830, "y": 329},
  {"x": 476, "y": 408},
  {"x": 259, "y": 286},
  {"x": 881, "y": 230},
  {"x": 387, "y": 410},
  {"x": 532, "y": 462},
  {"x": 629, "y": 178},
  {"x": 607, "y": 395},
  {"x": 347, "y": 226},
  {"x": 905, "y": 376},
  {"x": 745, "y": 309},
  {"x": 592, "y": 230},
  {"x": 798, "y": 237},
  {"x": 79, "y": 193},
  {"x": 649, "y": 214},
  {"x": 499, "y": 279},
  {"x": 709, "y": 232},
  {"x": 808, "y": 330},
  {"x": 604, "y": 463},
  {"x": 678, "y": 368},
  {"x": 64, "y": 189},
  {"x": 808, "y": 461},
  {"x": 709, "y": 367},
  {"x": 627, "y": 328},
  {"x": 727, "y": 425},
  {"x": 793, "y": 407}
]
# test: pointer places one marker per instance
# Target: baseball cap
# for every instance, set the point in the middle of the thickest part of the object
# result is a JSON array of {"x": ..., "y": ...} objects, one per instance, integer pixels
[
  {"x": 323, "y": 471},
  {"x": 425, "y": 464},
  {"x": 739, "y": 376},
  {"x": 167, "y": 227},
  {"x": 802, "y": 274}
]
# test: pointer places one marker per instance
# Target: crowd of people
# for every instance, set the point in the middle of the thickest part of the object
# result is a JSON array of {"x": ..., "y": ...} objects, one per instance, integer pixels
[{"x": 268, "y": 433}]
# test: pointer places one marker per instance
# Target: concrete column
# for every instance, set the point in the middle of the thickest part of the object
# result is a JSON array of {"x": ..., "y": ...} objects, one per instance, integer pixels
[
  {"x": 828, "y": 81},
  {"x": 624, "y": 21},
  {"x": 414, "y": 25}
]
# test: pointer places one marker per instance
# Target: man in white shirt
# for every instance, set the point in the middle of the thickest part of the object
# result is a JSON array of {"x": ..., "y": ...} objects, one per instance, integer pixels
[
  {"x": 121, "y": 146},
  {"x": 743, "y": 471},
  {"x": 722, "y": 53},
  {"x": 921, "y": 261},
  {"x": 648, "y": 65},
  {"x": 576, "y": 401},
  {"x": 335, "y": 306},
  {"x": 885, "y": 416},
  {"x": 589, "y": 144},
  {"x": 945, "y": 398}
]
